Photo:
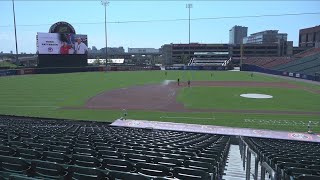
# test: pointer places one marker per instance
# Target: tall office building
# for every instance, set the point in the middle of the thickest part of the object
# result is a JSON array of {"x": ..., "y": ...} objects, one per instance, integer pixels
[
  {"x": 263, "y": 37},
  {"x": 237, "y": 33},
  {"x": 309, "y": 37}
]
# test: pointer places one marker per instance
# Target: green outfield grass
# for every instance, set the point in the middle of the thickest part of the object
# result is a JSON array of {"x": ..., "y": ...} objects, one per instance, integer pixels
[
  {"x": 46, "y": 95},
  {"x": 229, "y": 98}
]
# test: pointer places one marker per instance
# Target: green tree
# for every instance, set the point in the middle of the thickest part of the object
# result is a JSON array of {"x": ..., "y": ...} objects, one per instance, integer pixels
[{"x": 97, "y": 62}]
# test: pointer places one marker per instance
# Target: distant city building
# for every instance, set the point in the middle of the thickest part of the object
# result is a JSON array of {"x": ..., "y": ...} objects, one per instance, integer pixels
[
  {"x": 264, "y": 37},
  {"x": 309, "y": 37},
  {"x": 11, "y": 52},
  {"x": 113, "y": 50},
  {"x": 143, "y": 50},
  {"x": 94, "y": 48},
  {"x": 237, "y": 33},
  {"x": 178, "y": 53}
]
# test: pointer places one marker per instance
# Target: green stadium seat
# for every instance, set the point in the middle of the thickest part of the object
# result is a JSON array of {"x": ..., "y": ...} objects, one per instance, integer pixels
[
  {"x": 169, "y": 162},
  {"x": 153, "y": 169},
  {"x": 84, "y": 151},
  {"x": 44, "y": 169},
  {"x": 86, "y": 161},
  {"x": 192, "y": 174},
  {"x": 81, "y": 173},
  {"x": 119, "y": 175},
  {"x": 56, "y": 157},
  {"x": 117, "y": 165},
  {"x": 109, "y": 154},
  {"x": 7, "y": 151},
  {"x": 61, "y": 149},
  {"x": 135, "y": 158},
  {"x": 19, "y": 177},
  {"x": 28, "y": 153},
  {"x": 14, "y": 165}
]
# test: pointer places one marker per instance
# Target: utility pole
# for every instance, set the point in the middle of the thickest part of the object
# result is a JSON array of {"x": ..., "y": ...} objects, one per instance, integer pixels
[
  {"x": 105, "y": 3},
  {"x": 15, "y": 33},
  {"x": 189, "y": 6}
]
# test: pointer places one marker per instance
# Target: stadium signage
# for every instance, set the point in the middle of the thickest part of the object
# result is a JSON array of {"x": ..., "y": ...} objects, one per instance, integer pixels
[{"x": 62, "y": 27}]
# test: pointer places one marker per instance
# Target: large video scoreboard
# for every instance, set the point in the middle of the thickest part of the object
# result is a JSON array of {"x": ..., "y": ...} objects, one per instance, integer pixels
[{"x": 62, "y": 47}]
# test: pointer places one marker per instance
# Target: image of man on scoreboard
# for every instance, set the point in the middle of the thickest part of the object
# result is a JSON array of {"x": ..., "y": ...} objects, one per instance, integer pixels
[{"x": 80, "y": 47}]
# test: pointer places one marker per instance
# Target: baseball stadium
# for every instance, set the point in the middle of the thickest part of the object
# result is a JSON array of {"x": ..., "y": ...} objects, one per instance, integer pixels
[{"x": 207, "y": 111}]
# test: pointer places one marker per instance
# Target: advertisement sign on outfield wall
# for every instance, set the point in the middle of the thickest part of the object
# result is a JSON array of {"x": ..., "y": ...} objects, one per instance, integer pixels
[{"x": 57, "y": 43}]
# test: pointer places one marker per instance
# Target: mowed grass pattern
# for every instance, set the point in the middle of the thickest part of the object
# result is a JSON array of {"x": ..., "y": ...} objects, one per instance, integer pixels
[{"x": 47, "y": 95}]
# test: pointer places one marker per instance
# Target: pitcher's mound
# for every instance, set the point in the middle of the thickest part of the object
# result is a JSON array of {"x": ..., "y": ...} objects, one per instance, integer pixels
[{"x": 256, "y": 96}]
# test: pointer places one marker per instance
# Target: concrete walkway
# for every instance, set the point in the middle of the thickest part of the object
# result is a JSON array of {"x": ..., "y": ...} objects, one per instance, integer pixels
[{"x": 218, "y": 130}]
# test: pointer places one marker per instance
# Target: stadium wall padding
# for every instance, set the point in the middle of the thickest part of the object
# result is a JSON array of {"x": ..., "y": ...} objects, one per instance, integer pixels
[
  {"x": 62, "y": 60},
  {"x": 57, "y": 70},
  {"x": 250, "y": 67}
]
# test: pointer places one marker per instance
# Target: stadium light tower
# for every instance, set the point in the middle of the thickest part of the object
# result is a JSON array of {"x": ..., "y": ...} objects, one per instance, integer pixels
[
  {"x": 105, "y": 3},
  {"x": 189, "y": 6},
  {"x": 15, "y": 32}
]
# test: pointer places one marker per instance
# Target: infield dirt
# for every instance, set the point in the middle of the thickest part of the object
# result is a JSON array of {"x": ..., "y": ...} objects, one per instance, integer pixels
[{"x": 162, "y": 97}]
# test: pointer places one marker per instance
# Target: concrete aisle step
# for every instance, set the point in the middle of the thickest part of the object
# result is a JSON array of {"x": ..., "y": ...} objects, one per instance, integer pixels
[{"x": 234, "y": 169}]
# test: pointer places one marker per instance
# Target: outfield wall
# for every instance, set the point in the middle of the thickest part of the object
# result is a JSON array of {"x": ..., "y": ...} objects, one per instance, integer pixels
[
  {"x": 250, "y": 67},
  {"x": 58, "y": 70}
]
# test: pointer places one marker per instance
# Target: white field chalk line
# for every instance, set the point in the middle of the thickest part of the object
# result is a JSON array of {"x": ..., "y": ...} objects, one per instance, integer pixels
[
  {"x": 168, "y": 117},
  {"x": 30, "y": 106}
]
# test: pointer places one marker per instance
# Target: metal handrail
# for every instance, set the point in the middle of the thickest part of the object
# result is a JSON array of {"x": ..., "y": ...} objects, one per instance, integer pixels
[
  {"x": 256, "y": 164},
  {"x": 269, "y": 170}
]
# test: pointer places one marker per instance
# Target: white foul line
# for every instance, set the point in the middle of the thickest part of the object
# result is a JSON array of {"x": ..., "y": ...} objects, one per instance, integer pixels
[
  {"x": 29, "y": 106},
  {"x": 167, "y": 117}
]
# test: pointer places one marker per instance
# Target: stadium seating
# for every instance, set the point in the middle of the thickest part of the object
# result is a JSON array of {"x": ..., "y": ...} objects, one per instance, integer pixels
[
  {"x": 208, "y": 62},
  {"x": 308, "y": 65},
  {"x": 308, "y": 52},
  {"x": 289, "y": 159},
  {"x": 61, "y": 149},
  {"x": 267, "y": 62}
]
